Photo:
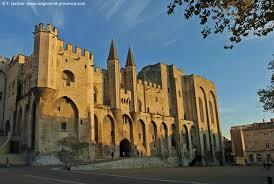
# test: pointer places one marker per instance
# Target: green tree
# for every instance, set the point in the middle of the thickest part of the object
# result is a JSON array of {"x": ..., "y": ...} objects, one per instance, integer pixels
[
  {"x": 267, "y": 95},
  {"x": 239, "y": 18}
]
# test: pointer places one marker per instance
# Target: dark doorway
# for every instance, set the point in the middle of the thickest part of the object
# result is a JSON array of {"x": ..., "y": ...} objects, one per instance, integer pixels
[
  {"x": 33, "y": 126},
  {"x": 7, "y": 130},
  {"x": 125, "y": 148},
  {"x": 14, "y": 146}
]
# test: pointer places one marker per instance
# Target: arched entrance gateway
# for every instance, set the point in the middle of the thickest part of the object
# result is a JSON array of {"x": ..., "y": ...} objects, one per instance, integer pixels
[{"x": 125, "y": 148}]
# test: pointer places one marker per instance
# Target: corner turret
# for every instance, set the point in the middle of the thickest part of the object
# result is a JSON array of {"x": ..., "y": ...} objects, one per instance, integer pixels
[
  {"x": 113, "y": 52},
  {"x": 130, "y": 58},
  {"x": 44, "y": 52},
  {"x": 114, "y": 77},
  {"x": 131, "y": 80}
]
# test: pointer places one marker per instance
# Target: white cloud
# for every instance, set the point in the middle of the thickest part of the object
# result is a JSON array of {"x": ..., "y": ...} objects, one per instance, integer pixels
[
  {"x": 168, "y": 43},
  {"x": 133, "y": 13},
  {"x": 57, "y": 17},
  {"x": 109, "y": 8},
  {"x": 129, "y": 12},
  {"x": 114, "y": 8},
  {"x": 34, "y": 9}
]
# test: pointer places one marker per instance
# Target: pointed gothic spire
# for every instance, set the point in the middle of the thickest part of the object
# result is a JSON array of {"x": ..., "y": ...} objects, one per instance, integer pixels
[
  {"x": 113, "y": 52},
  {"x": 130, "y": 58}
]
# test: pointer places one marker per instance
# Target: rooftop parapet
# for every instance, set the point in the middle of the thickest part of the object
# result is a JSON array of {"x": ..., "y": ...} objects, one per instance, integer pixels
[
  {"x": 97, "y": 69},
  {"x": 76, "y": 50},
  {"x": 48, "y": 28},
  {"x": 4, "y": 59},
  {"x": 20, "y": 58},
  {"x": 148, "y": 84}
]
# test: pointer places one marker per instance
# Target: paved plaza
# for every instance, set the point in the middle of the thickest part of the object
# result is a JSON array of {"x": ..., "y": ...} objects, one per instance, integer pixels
[{"x": 204, "y": 175}]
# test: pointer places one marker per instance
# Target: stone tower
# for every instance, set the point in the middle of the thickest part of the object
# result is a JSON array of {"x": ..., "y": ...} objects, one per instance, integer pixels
[
  {"x": 113, "y": 66},
  {"x": 44, "y": 55},
  {"x": 131, "y": 80}
]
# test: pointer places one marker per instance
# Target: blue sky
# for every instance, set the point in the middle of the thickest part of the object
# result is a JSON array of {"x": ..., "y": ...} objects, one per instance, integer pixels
[{"x": 154, "y": 37}]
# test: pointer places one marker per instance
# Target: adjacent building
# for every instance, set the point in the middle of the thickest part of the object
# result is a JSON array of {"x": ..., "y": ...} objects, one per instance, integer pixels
[
  {"x": 253, "y": 144},
  {"x": 57, "y": 99}
]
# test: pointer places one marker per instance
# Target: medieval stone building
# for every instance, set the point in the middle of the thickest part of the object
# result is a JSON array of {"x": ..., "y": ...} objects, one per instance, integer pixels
[{"x": 57, "y": 99}]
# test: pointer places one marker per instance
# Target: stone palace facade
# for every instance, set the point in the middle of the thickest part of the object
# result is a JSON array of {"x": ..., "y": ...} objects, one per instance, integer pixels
[{"x": 56, "y": 99}]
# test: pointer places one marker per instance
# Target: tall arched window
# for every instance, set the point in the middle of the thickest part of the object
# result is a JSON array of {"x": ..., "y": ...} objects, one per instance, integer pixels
[
  {"x": 211, "y": 112},
  {"x": 173, "y": 138},
  {"x": 201, "y": 110},
  {"x": 95, "y": 92},
  {"x": 193, "y": 137},
  {"x": 68, "y": 76},
  {"x": 185, "y": 137},
  {"x": 214, "y": 142},
  {"x": 96, "y": 129}
]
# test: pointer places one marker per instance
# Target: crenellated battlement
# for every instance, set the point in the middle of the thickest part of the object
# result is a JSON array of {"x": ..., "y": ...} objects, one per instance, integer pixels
[
  {"x": 48, "y": 28},
  {"x": 97, "y": 69},
  {"x": 4, "y": 59},
  {"x": 71, "y": 49},
  {"x": 149, "y": 84},
  {"x": 61, "y": 46}
]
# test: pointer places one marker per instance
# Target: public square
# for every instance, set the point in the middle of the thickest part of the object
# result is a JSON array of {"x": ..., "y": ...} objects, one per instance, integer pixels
[{"x": 202, "y": 175}]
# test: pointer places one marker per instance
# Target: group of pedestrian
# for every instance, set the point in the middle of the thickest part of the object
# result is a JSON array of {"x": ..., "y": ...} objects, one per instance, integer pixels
[{"x": 139, "y": 153}]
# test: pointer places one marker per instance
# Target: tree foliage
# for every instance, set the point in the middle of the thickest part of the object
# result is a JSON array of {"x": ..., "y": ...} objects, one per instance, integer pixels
[
  {"x": 240, "y": 18},
  {"x": 267, "y": 95}
]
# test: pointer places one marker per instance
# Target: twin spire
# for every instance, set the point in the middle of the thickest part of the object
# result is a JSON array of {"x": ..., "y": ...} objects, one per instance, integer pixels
[
  {"x": 113, "y": 55},
  {"x": 113, "y": 52}
]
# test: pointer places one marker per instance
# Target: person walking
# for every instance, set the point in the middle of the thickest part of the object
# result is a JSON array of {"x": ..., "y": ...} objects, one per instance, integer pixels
[
  {"x": 268, "y": 173},
  {"x": 7, "y": 162}
]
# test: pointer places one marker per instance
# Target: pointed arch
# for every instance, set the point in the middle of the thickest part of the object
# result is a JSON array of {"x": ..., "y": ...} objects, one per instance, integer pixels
[
  {"x": 109, "y": 130},
  {"x": 205, "y": 144},
  {"x": 214, "y": 141},
  {"x": 127, "y": 125},
  {"x": 164, "y": 131},
  {"x": 215, "y": 109},
  {"x": 7, "y": 128},
  {"x": 211, "y": 112},
  {"x": 33, "y": 126},
  {"x": 193, "y": 136},
  {"x": 164, "y": 137},
  {"x": 66, "y": 116},
  {"x": 19, "y": 123},
  {"x": 201, "y": 108},
  {"x": 173, "y": 135},
  {"x": 26, "y": 125},
  {"x": 3, "y": 85},
  {"x": 153, "y": 138},
  {"x": 185, "y": 137},
  {"x": 68, "y": 76},
  {"x": 96, "y": 129},
  {"x": 141, "y": 132}
]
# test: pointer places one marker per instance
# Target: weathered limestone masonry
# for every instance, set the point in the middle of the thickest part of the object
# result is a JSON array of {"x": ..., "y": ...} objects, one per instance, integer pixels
[{"x": 57, "y": 102}]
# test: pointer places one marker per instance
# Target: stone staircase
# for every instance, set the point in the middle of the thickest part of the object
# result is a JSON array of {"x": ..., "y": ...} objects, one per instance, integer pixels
[
  {"x": 14, "y": 159},
  {"x": 126, "y": 163},
  {"x": 4, "y": 142},
  {"x": 3, "y": 139}
]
